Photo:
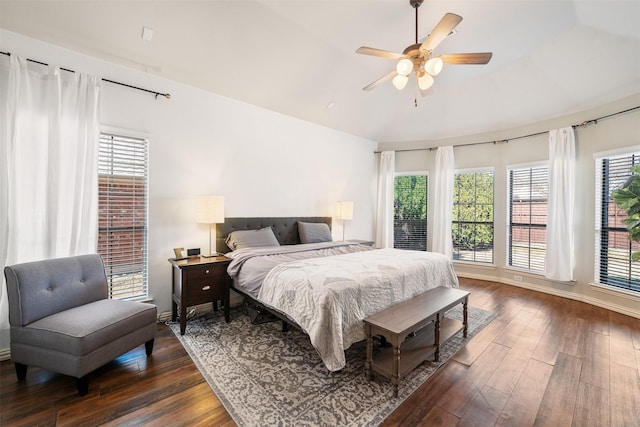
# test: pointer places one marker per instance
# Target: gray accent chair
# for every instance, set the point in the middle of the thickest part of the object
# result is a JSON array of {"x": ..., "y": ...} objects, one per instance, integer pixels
[{"x": 62, "y": 320}]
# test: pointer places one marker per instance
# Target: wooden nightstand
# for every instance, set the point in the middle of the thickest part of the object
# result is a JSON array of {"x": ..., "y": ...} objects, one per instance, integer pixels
[{"x": 199, "y": 280}]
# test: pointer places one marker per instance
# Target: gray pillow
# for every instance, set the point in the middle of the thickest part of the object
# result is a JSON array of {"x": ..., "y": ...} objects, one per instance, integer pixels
[
  {"x": 314, "y": 232},
  {"x": 251, "y": 238}
]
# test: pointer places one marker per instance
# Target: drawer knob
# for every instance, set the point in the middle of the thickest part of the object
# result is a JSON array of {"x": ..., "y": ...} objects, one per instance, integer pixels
[
  {"x": 206, "y": 288},
  {"x": 206, "y": 271}
]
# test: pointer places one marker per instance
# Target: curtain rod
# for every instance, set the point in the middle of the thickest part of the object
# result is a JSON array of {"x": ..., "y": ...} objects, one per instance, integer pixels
[
  {"x": 505, "y": 141},
  {"x": 166, "y": 95}
]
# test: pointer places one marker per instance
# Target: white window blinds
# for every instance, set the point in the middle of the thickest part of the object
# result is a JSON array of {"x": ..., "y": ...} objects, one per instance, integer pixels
[
  {"x": 613, "y": 247},
  {"x": 528, "y": 194},
  {"x": 122, "y": 214},
  {"x": 410, "y": 212}
]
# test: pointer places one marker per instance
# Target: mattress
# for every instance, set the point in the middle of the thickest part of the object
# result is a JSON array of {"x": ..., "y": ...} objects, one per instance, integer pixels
[{"x": 329, "y": 288}]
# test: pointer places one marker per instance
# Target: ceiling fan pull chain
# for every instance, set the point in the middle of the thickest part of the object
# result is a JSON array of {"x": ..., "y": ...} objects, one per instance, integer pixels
[{"x": 418, "y": 58}]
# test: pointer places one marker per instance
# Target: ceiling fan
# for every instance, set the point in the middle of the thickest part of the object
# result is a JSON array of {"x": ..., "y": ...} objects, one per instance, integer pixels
[{"x": 418, "y": 57}]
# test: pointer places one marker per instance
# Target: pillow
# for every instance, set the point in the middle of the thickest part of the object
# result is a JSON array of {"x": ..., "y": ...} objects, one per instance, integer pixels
[
  {"x": 314, "y": 232},
  {"x": 251, "y": 238}
]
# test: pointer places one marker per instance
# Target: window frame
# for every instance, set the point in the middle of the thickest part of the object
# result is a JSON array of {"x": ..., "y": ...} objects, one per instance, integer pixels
[
  {"x": 602, "y": 228},
  {"x": 474, "y": 251},
  {"x": 137, "y": 288},
  {"x": 509, "y": 224}
]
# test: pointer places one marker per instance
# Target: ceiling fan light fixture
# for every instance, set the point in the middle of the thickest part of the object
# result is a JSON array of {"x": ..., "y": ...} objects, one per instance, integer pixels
[
  {"x": 404, "y": 67},
  {"x": 416, "y": 58},
  {"x": 425, "y": 81},
  {"x": 400, "y": 81},
  {"x": 434, "y": 65}
]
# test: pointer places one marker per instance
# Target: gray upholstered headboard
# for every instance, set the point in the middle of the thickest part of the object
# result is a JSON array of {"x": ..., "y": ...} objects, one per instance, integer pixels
[{"x": 285, "y": 228}]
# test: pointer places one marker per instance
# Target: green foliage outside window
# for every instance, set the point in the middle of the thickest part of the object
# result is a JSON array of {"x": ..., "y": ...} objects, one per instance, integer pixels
[
  {"x": 473, "y": 211},
  {"x": 627, "y": 198},
  {"x": 410, "y": 212},
  {"x": 410, "y": 197}
]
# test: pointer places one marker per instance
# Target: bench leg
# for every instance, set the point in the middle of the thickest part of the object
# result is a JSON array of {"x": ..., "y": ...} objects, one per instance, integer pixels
[
  {"x": 437, "y": 337},
  {"x": 369, "y": 360},
  {"x": 148, "y": 346},
  {"x": 83, "y": 385},
  {"x": 465, "y": 320},
  {"x": 395, "y": 377},
  {"x": 21, "y": 370}
]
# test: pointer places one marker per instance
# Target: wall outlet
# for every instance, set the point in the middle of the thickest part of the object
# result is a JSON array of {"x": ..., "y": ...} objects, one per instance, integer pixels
[{"x": 517, "y": 278}]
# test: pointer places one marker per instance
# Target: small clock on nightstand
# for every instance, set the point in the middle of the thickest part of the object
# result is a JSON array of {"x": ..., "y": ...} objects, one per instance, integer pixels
[{"x": 199, "y": 280}]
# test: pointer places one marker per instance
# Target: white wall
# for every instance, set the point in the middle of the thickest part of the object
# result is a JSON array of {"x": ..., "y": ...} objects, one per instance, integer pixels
[
  {"x": 608, "y": 134},
  {"x": 264, "y": 163}
]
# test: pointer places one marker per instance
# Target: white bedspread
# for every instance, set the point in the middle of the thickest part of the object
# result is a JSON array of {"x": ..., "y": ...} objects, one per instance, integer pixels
[
  {"x": 249, "y": 266},
  {"x": 329, "y": 297}
]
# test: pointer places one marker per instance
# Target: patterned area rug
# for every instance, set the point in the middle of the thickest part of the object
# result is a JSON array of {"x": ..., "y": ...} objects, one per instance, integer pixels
[{"x": 266, "y": 377}]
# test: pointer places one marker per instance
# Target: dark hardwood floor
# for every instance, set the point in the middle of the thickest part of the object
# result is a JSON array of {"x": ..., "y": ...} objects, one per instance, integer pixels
[{"x": 544, "y": 360}]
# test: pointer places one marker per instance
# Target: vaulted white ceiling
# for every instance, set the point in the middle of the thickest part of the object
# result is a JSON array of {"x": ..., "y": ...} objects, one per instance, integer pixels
[{"x": 550, "y": 57}]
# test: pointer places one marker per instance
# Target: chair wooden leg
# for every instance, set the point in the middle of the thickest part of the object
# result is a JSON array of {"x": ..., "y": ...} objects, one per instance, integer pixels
[
  {"x": 21, "y": 370},
  {"x": 149, "y": 347},
  {"x": 83, "y": 385}
]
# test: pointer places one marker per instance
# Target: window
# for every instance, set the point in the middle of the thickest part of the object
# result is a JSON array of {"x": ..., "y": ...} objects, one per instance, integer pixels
[
  {"x": 613, "y": 247},
  {"x": 410, "y": 212},
  {"x": 472, "y": 228},
  {"x": 527, "y": 234},
  {"x": 122, "y": 214}
]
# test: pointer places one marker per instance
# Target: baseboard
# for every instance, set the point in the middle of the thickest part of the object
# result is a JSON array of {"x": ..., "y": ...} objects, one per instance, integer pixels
[
  {"x": 192, "y": 312},
  {"x": 557, "y": 292},
  {"x": 197, "y": 310},
  {"x": 5, "y": 354},
  {"x": 164, "y": 317}
]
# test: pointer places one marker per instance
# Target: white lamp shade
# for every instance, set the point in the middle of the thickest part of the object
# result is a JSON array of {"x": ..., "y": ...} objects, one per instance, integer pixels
[
  {"x": 210, "y": 209},
  {"x": 400, "y": 81},
  {"x": 434, "y": 66},
  {"x": 404, "y": 67},
  {"x": 425, "y": 81},
  {"x": 344, "y": 210}
]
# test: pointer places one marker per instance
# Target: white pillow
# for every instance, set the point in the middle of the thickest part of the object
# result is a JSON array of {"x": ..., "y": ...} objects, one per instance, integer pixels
[
  {"x": 314, "y": 232},
  {"x": 251, "y": 238}
]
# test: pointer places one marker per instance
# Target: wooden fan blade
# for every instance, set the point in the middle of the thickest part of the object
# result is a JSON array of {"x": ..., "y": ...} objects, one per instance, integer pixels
[
  {"x": 466, "y": 58},
  {"x": 364, "y": 50},
  {"x": 448, "y": 22},
  {"x": 381, "y": 80}
]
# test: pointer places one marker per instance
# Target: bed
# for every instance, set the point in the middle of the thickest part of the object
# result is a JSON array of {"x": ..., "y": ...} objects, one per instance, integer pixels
[{"x": 291, "y": 268}]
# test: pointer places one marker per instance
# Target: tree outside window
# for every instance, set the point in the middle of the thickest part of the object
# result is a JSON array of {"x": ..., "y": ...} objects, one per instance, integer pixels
[
  {"x": 472, "y": 228},
  {"x": 410, "y": 212}
]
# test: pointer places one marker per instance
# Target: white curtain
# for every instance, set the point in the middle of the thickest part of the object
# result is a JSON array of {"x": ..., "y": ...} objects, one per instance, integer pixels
[
  {"x": 384, "y": 217},
  {"x": 48, "y": 164},
  {"x": 559, "y": 257},
  {"x": 443, "y": 201}
]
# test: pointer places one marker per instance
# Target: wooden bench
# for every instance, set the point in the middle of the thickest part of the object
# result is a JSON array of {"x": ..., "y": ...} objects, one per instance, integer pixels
[{"x": 419, "y": 321}]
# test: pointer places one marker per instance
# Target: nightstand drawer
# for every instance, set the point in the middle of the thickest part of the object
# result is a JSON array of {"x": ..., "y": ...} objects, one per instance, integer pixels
[
  {"x": 202, "y": 291},
  {"x": 216, "y": 272}
]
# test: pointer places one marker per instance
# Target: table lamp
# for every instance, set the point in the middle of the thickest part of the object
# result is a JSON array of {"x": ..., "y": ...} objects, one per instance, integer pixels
[
  {"x": 344, "y": 211},
  {"x": 210, "y": 210}
]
